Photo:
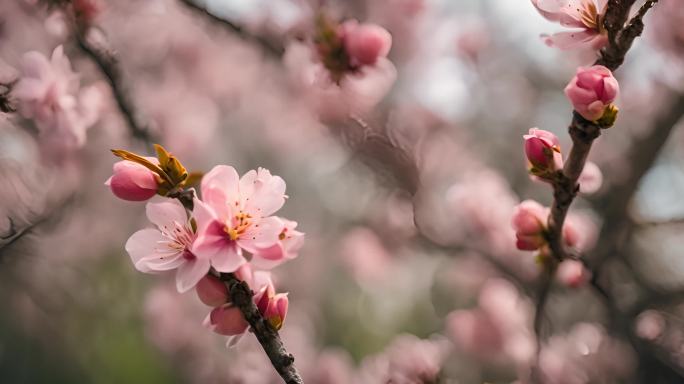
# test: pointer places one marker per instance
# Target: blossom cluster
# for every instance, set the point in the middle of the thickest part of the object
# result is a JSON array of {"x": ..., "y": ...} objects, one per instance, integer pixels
[
  {"x": 591, "y": 92},
  {"x": 231, "y": 228}
]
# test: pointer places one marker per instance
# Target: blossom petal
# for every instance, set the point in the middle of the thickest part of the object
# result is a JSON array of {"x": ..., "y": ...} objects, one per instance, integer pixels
[
  {"x": 262, "y": 234},
  {"x": 142, "y": 245},
  {"x": 166, "y": 214},
  {"x": 569, "y": 40},
  {"x": 190, "y": 273},
  {"x": 224, "y": 178}
]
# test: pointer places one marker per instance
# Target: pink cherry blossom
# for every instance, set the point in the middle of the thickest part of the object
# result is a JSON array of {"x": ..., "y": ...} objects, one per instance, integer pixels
[
  {"x": 572, "y": 273},
  {"x": 590, "y": 179},
  {"x": 592, "y": 90},
  {"x": 365, "y": 43},
  {"x": 48, "y": 93},
  {"x": 132, "y": 181},
  {"x": 169, "y": 246},
  {"x": 529, "y": 222},
  {"x": 212, "y": 291},
  {"x": 584, "y": 16},
  {"x": 542, "y": 149},
  {"x": 290, "y": 241},
  {"x": 499, "y": 329},
  {"x": 235, "y": 215}
]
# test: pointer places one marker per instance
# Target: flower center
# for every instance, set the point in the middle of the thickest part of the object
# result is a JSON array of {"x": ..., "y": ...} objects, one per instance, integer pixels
[
  {"x": 180, "y": 236},
  {"x": 591, "y": 17},
  {"x": 238, "y": 225}
]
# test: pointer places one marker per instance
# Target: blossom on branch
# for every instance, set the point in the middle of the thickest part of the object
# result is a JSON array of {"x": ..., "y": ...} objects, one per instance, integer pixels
[
  {"x": 234, "y": 215},
  {"x": 132, "y": 181},
  {"x": 169, "y": 246},
  {"x": 48, "y": 92},
  {"x": 592, "y": 91},
  {"x": 543, "y": 152},
  {"x": 529, "y": 222},
  {"x": 584, "y": 16}
]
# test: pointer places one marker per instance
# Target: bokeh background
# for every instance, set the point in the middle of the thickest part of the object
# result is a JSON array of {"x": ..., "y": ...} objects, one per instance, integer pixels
[{"x": 409, "y": 273}]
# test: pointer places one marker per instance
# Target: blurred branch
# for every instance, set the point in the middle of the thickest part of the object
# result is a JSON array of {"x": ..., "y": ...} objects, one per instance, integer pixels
[
  {"x": 241, "y": 295},
  {"x": 640, "y": 158},
  {"x": 15, "y": 234},
  {"x": 270, "y": 47},
  {"x": 108, "y": 64},
  {"x": 660, "y": 223},
  {"x": 6, "y": 104}
]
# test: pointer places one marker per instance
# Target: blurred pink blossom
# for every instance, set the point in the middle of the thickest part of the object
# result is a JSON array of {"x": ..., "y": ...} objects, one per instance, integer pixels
[
  {"x": 357, "y": 93},
  {"x": 650, "y": 325},
  {"x": 235, "y": 215},
  {"x": 169, "y": 246},
  {"x": 132, "y": 181},
  {"x": 572, "y": 273},
  {"x": 585, "y": 355},
  {"x": 407, "y": 360},
  {"x": 529, "y": 222},
  {"x": 365, "y": 255},
  {"x": 585, "y": 16},
  {"x": 499, "y": 330},
  {"x": 590, "y": 179},
  {"x": 592, "y": 90},
  {"x": 365, "y": 43},
  {"x": 48, "y": 93}
]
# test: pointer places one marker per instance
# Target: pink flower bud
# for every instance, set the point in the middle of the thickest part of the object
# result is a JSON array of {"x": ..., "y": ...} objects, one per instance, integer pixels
[
  {"x": 529, "y": 222},
  {"x": 226, "y": 320},
  {"x": 87, "y": 10},
  {"x": 366, "y": 43},
  {"x": 277, "y": 310},
  {"x": 212, "y": 291},
  {"x": 132, "y": 181},
  {"x": 592, "y": 90},
  {"x": 542, "y": 149},
  {"x": 572, "y": 273}
]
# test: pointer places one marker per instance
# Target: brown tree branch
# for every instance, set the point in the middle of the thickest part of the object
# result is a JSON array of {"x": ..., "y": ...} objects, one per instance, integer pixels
[
  {"x": 108, "y": 64},
  {"x": 241, "y": 295},
  {"x": 273, "y": 49},
  {"x": 583, "y": 134}
]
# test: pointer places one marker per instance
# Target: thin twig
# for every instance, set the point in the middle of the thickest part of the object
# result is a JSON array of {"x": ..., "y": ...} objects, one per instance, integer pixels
[
  {"x": 583, "y": 134},
  {"x": 273, "y": 49},
  {"x": 108, "y": 65},
  {"x": 241, "y": 296}
]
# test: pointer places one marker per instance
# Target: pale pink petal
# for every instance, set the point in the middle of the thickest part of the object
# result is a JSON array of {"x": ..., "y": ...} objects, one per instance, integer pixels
[
  {"x": 229, "y": 260},
  {"x": 167, "y": 214},
  {"x": 264, "y": 193},
  {"x": 144, "y": 244},
  {"x": 212, "y": 241},
  {"x": 224, "y": 178},
  {"x": 190, "y": 273},
  {"x": 269, "y": 258},
  {"x": 569, "y": 40},
  {"x": 262, "y": 234},
  {"x": 590, "y": 179}
]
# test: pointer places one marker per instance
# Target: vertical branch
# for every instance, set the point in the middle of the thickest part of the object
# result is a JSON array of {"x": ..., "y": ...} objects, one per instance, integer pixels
[
  {"x": 241, "y": 295},
  {"x": 109, "y": 66}
]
